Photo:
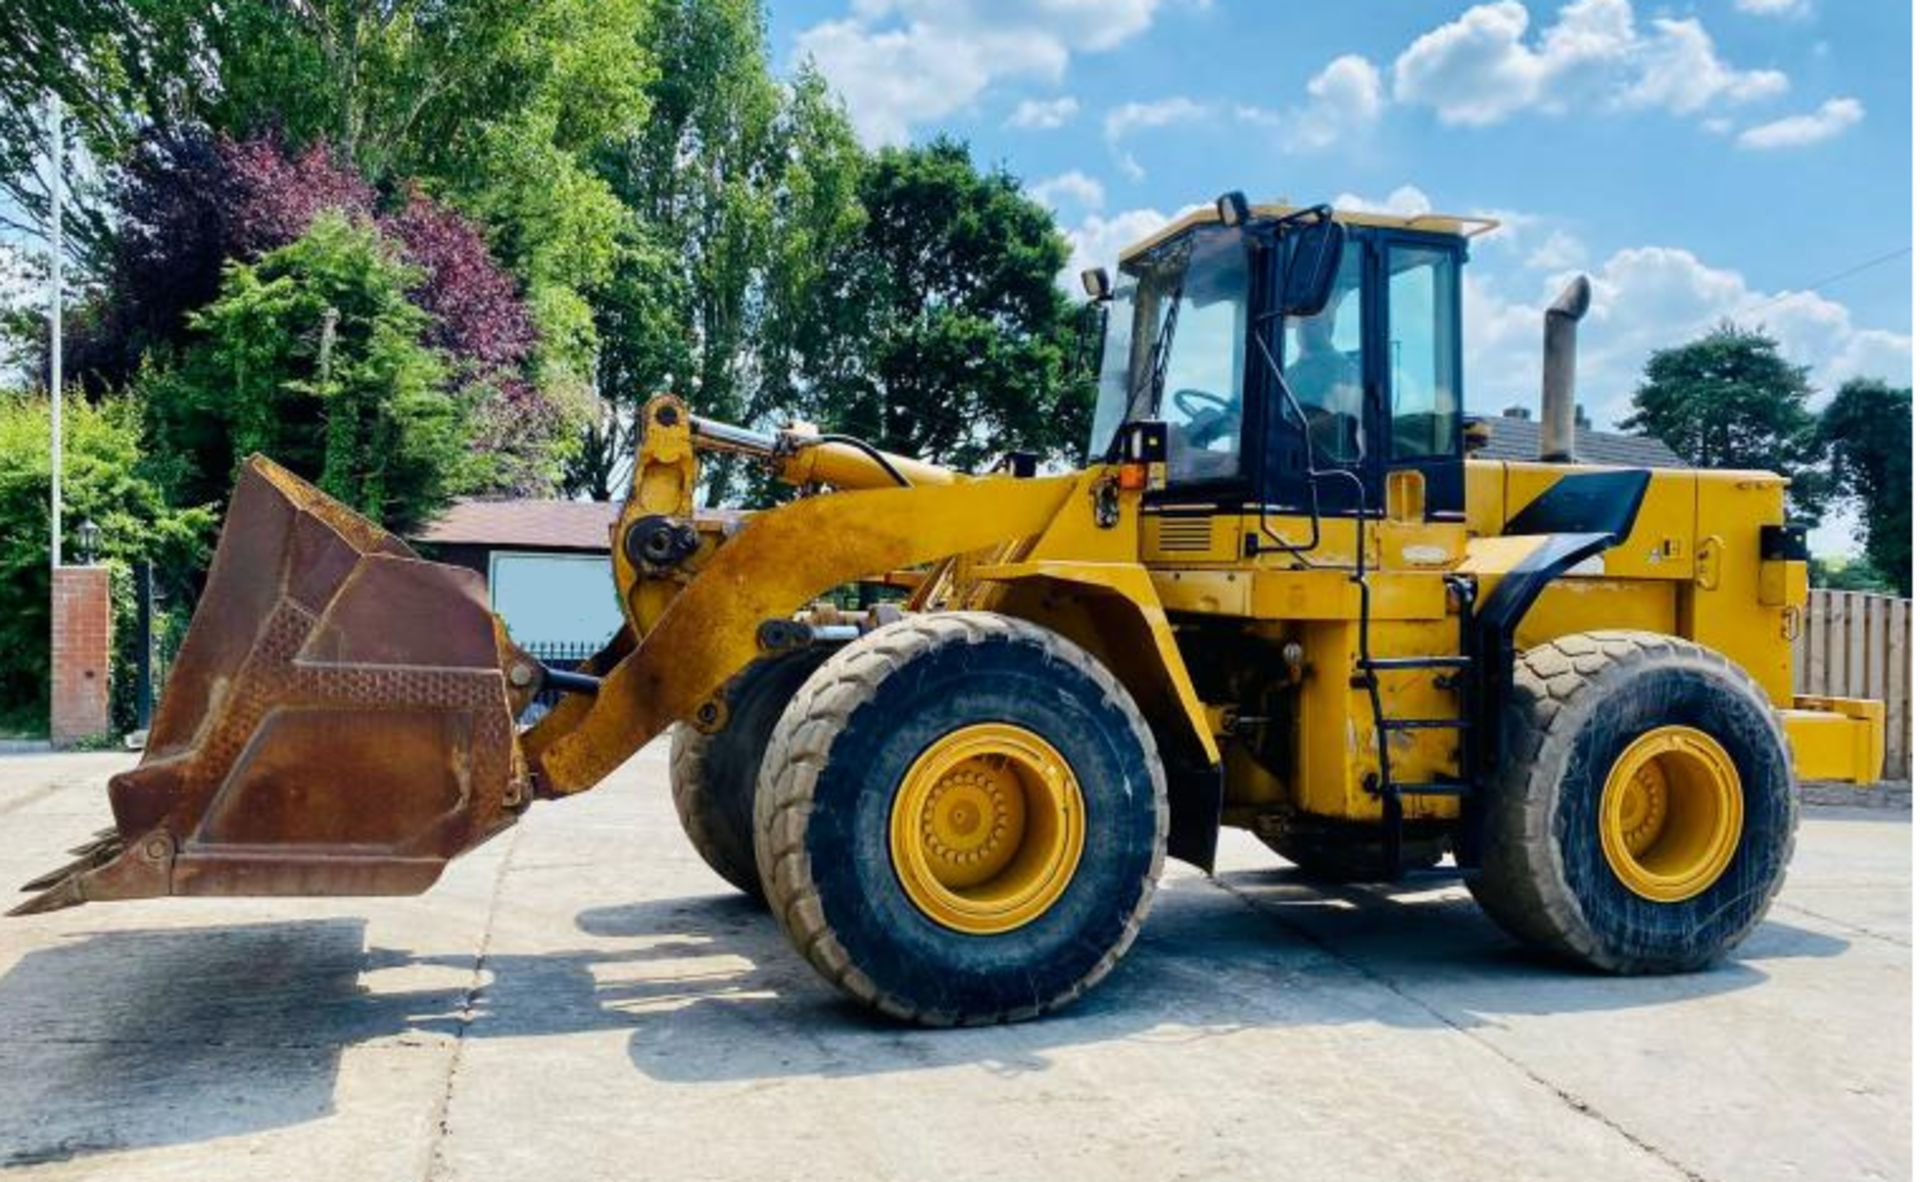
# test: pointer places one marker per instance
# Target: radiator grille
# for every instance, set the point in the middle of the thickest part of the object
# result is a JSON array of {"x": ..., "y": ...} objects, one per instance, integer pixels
[{"x": 1186, "y": 534}]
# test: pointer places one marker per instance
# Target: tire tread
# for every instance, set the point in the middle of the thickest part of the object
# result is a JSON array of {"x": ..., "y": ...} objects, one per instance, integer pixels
[{"x": 800, "y": 747}]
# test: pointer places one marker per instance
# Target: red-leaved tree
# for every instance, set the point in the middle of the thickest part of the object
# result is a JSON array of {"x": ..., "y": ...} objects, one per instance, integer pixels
[
  {"x": 479, "y": 318},
  {"x": 191, "y": 202}
]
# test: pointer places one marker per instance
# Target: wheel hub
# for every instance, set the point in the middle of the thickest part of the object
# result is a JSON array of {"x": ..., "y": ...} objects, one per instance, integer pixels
[
  {"x": 987, "y": 828},
  {"x": 1671, "y": 813}
]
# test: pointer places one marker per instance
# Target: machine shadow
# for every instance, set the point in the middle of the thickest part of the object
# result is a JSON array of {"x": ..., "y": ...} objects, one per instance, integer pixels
[
  {"x": 124, "y": 1039},
  {"x": 1271, "y": 949}
]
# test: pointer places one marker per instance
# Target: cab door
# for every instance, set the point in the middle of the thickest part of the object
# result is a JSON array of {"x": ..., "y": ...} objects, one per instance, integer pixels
[
  {"x": 1417, "y": 390},
  {"x": 1332, "y": 371}
]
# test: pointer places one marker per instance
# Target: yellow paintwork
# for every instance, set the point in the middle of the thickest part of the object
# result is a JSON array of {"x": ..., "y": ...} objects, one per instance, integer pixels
[
  {"x": 1724, "y": 607},
  {"x": 842, "y": 466},
  {"x": 1154, "y": 596},
  {"x": 987, "y": 829},
  {"x": 1154, "y": 672},
  {"x": 1299, "y": 594},
  {"x": 1670, "y": 814},
  {"x": 665, "y": 474},
  {"x": 1691, "y": 567},
  {"x": 1837, "y": 738},
  {"x": 775, "y": 564}
]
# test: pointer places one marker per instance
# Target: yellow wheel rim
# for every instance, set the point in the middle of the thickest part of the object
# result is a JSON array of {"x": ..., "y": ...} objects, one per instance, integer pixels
[
  {"x": 1670, "y": 814},
  {"x": 987, "y": 828}
]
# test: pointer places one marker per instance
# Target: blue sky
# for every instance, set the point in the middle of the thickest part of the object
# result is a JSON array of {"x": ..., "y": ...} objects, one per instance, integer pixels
[{"x": 1700, "y": 161}]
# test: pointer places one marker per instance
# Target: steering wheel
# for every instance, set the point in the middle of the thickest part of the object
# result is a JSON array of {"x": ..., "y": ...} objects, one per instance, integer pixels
[{"x": 1193, "y": 403}]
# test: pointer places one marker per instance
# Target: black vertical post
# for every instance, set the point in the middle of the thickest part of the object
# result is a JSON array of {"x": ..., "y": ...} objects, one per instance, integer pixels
[{"x": 143, "y": 629}]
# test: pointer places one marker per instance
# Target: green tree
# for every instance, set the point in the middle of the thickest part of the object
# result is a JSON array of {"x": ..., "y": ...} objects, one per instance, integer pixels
[
  {"x": 493, "y": 105},
  {"x": 315, "y": 357},
  {"x": 965, "y": 349},
  {"x": 697, "y": 177},
  {"x": 817, "y": 319},
  {"x": 1729, "y": 400},
  {"x": 121, "y": 67},
  {"x": 1868, "y": 431},
  {"x": 103, "y": 479},
  {"x": 1847, "y": 575}
]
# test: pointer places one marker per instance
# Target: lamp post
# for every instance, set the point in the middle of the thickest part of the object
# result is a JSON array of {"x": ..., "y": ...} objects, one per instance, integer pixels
[
  {"x": 57, "y": 182},
  {"x": 89, "y": 542}
]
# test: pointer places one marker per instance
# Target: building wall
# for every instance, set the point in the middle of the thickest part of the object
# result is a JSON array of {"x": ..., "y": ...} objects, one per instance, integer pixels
[{"x": 82, "y": 653}]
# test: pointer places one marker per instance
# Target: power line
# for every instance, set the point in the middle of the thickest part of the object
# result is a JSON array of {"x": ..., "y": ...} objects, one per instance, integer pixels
[{"x": 1836, "y": 277}]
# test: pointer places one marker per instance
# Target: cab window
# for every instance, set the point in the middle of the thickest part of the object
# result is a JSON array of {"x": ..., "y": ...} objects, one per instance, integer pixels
[
  {"x": 1201, "y": 392},
  {"x": 1322, "y": 361},
  {"x": 1422, "y": 361}
]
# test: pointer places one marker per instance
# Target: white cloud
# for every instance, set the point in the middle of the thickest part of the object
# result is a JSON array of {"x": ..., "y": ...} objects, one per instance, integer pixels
[
  {"x": 1128, "y": 118},
  {"x": 1074, "y": 186},
  {"x": 1558, "y": 252},
  {"x": 1343, "y": 99},
  {"x": 900, "y": 63},
  {"x": 1656, "y": 297},
  {"x": 1798, "y": 131},
  {"x": 1097, "y": 241},
  {"x": 1482, "y": 67},
  {"x": 1405, "y": 201},
  {"x": 1775, "y": 7},
  {"x": 1044, "y": 114},
  {"x": 1680, "y": 71}
]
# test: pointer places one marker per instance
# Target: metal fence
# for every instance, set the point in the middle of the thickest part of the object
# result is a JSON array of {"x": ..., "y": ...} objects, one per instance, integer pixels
[{"x": 1855, "y": 646}]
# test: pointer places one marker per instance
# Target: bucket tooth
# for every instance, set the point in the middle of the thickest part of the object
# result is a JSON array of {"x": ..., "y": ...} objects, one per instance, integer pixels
[{"x": 338, "y": 721}]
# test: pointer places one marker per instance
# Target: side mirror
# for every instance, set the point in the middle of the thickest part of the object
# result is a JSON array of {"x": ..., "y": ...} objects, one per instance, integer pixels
[
  {"x": 1310, "y": 266},
  {"x": 1089, "y": 339}
]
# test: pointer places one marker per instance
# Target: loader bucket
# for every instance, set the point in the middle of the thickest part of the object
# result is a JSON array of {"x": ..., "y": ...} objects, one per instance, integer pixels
[{"x": 338, "y": 721}]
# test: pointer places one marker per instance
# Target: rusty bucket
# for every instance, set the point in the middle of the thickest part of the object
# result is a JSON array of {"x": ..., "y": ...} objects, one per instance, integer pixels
[{"x": 338, "y": 721}]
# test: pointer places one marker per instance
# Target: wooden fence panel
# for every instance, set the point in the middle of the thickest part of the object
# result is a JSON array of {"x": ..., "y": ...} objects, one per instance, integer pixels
[{"x": 1856, "y": 645}]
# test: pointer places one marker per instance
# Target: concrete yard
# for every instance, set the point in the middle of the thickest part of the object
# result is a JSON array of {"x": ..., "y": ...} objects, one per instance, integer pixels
[{"x": 582, "y": 999}]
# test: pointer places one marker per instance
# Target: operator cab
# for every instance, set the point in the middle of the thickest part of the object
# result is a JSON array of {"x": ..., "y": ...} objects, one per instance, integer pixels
[{"x": 1202, "y": 315}]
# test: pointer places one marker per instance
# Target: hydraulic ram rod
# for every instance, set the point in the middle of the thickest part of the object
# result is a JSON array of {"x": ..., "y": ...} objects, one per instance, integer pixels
[{"x": 799, "y": 458}]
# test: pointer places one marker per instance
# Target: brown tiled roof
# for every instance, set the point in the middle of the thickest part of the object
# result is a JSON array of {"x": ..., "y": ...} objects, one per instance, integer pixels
[
  {"x": 1519, "y": 439},
  {"x": 547, "y": 525}
]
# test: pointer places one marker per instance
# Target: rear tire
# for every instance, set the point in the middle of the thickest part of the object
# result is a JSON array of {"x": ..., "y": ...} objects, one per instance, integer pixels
[
  {"x": 844, "y": 767},
  {"x": 1585, "y": 708},
  {"x": 714, "y": 775}
]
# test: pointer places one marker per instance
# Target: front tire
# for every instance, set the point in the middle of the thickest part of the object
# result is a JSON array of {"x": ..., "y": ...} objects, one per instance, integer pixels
[
  {"x": 961, "y": 819},
  {"x": 1644, "y": 815}
]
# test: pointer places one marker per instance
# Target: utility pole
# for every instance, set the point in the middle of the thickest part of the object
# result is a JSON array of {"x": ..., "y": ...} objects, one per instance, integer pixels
[{"x": 54, "y": 120}]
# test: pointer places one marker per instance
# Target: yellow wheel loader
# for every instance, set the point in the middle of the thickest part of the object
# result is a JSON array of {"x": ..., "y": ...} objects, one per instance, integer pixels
[{"x": 1280, "y": 596}]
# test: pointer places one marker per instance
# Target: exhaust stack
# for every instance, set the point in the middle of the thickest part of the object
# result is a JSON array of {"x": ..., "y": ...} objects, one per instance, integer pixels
[{"x": 1557, "y": 371}]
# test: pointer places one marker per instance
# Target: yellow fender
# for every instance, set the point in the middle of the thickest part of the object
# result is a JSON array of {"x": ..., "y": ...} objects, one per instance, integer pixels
[{"x": 1113, "y": 611}]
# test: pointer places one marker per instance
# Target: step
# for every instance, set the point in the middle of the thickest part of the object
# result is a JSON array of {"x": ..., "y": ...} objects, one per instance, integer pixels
[
  {"x": 1443, "y": 787},
  {"x": 1433, "y": 662},
  {"x": 1426, "y": 724}
]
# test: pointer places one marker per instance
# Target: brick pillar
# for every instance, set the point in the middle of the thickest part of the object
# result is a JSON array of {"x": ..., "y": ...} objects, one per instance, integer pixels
[{"x": 82, "y": 649}]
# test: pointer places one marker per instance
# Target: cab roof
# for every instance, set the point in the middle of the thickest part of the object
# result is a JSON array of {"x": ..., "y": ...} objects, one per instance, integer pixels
[{"x": 1457, "y": 225}]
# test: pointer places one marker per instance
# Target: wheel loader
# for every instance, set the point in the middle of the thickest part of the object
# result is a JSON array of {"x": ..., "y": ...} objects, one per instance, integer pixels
[{"x": 1280, "y": 595}]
